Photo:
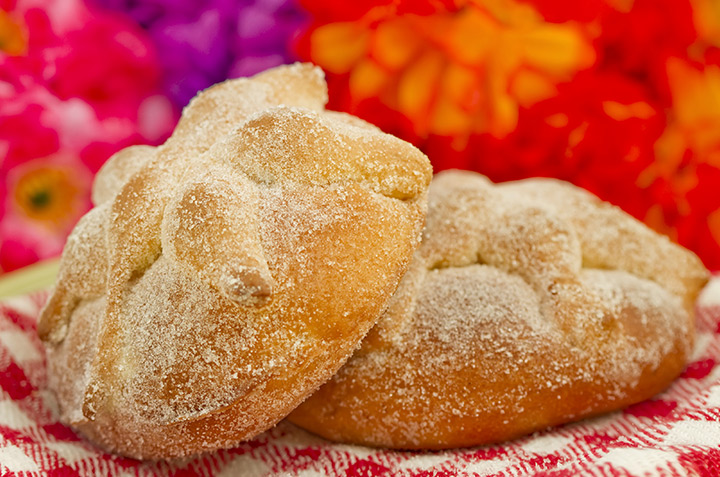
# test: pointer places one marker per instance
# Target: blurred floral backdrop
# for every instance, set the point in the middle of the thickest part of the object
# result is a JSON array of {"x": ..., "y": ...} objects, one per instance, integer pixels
[{"x": 621, "y": 97}]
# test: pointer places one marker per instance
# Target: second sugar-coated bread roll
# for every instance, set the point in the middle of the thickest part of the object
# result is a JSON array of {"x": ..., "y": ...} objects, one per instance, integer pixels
[
  {"x": 225, "y": 275},
  {"x": 527, "y": 305}
]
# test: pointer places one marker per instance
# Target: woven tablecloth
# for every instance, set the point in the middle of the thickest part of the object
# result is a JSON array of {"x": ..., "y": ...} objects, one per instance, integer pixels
[{"x": 674, "y": 434}]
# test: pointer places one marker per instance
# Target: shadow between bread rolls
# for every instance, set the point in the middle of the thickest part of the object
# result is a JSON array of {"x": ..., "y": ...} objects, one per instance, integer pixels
[
  {"x": 527, "y": 305},
  {"x": 225, "y": 275}
]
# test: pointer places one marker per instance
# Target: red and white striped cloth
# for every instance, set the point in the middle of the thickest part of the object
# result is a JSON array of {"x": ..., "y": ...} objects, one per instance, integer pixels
[{"x": 675, "y": 434}]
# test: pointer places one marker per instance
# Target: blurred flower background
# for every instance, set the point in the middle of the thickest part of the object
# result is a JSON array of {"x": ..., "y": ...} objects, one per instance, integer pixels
[{"x": 621, "y": 97}]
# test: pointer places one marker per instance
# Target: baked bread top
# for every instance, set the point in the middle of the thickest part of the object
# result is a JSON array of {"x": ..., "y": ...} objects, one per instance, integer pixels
[
  {"x": 226, "y": 274},
  {"x": 528, "y": 304}
]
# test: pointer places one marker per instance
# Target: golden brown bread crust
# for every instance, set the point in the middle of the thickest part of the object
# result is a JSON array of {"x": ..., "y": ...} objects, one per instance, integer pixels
[
  {"x": 226, "y": 274},
  {"x": 527, "y": 305}
]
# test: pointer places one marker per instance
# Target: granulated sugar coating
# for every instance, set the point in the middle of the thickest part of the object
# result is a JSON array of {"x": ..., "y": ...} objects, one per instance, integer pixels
[
  {"x": 527, "y": 305},
  {"x": 225, "y": 275}
]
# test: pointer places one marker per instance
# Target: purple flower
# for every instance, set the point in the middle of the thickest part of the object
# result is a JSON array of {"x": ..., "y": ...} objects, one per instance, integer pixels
[{"x": 200, "y": 44}]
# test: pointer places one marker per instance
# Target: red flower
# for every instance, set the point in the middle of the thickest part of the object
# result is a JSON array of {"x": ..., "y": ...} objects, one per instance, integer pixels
[
  {"x": 685, "y": 176},
  {"x": 638, "y": 40}
]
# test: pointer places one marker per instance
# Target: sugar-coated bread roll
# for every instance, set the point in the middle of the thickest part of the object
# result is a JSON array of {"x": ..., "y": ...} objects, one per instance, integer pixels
[
  {"x": 225, "y": 275},
  {"x": 527, "y": 305}
]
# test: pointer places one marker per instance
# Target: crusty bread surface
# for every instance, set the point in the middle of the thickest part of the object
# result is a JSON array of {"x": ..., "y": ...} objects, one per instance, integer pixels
[
  {"x": 527, "y": 305},
  {"x": 225, "y": 275}
]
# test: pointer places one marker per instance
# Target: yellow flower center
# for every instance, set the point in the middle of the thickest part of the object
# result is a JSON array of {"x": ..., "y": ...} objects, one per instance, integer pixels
[
  {"x": 47, "y": 195},
  {"x": 12, "y": 36}
]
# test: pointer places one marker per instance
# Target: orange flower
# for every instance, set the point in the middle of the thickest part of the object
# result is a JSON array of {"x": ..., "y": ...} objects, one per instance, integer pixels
[
  {"x": 456, "y": 72},
  {"x": 609, "y": 94}
]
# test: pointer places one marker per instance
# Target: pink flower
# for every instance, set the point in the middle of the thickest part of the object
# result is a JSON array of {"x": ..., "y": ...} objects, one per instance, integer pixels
[
  {"x": 76, "y": 86},
  {"x": 109, "y": 66},
  {"x": 43, "y": 200}
]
